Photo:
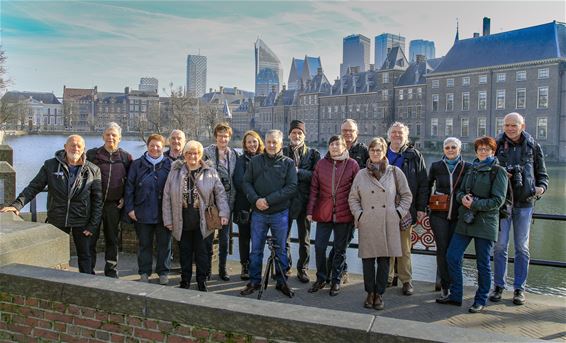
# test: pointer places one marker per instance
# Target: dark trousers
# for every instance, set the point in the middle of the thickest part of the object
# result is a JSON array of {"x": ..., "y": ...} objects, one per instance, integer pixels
[
  {"x": 443, "y": 230},
  {"x": 111, "y": 226},
  {"x": 331, "y": 254},
  {"x": 146, "y": 234},
  {"x": 304, "y": 229},
  {"x": 82, "y": 245},
  {"x": 375, "y": 282},
  {"x": 223, "y": 241},
  {"x": 193, "y": 247},
  {"x": 244, "y": 239},
  {"x": 342, "y": 233}
]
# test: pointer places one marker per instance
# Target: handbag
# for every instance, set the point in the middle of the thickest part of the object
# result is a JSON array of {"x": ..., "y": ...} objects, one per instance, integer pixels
[
  {"x": 211, "y": 213},
  {"x": 441, "y": 202},
  {"x": 406, "y": 221}
]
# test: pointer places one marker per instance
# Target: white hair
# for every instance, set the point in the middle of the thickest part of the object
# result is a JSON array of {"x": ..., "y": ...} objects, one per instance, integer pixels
[
  {"x": 453, "y": 140},
  {"x": 515, "y": 115},
  {"x": 277, "y": 134},
  {"x": 113, "y": 126},
  {"x": 175, "y": 131},
  {"x": 351, "y": 122}
]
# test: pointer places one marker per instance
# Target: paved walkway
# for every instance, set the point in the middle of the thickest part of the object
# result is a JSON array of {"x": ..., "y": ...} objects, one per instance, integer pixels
[{"x": 542, "y": 317}]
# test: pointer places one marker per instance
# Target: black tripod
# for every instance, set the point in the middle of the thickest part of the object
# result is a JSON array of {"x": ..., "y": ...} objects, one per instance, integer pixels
[{"x": 272, "y": 262}]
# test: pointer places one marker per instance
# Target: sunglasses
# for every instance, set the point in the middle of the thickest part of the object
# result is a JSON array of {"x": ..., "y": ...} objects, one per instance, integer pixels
[{"x": 451, "y": 147}]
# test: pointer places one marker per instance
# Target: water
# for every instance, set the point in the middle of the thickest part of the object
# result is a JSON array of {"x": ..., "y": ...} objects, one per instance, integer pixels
[{"x": 548, "y": 238}]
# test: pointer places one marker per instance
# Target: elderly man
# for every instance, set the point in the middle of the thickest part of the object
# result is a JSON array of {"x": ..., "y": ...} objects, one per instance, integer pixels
[
  {"x": 74, "y": 193},
  {"x": 270, "y": 183},
  {"x": 176, "y": 144},
  {"x": 523, "y": 158},
  {"x": 305, "y": 160},
  {"x": 402, "y": 154},
  {"x": 114, "y": 164}
]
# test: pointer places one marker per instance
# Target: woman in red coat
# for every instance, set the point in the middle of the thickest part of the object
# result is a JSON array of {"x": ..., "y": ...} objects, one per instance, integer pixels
[{"x": 328, "y": 206}]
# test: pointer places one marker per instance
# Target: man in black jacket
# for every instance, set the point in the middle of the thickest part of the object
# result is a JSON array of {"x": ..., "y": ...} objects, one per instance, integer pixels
[
  {"x": 305, "y": 160},
  {"x": 270, "y": 183},
  {"x": 74, "y": 196},
  {"x": 522, "y": 156}
]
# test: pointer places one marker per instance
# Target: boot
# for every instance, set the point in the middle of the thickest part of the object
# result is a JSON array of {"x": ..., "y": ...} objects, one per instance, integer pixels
[
  {"x": 223, "y": 273},
  {"x": 245, "y": 274}
]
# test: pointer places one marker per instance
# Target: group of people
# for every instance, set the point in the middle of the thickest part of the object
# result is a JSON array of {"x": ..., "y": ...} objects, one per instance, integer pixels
[{"x": 382, "y": 190}]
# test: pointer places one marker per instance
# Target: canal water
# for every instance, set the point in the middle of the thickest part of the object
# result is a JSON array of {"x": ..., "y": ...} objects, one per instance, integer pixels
[{"x": 548, "y": 238}]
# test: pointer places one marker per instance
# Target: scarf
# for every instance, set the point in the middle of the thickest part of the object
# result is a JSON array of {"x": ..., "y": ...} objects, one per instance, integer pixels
[
  {"x": 297, "y": 153},
  {"x": 451, "y": 163},
  {"x": 152, "y": 160},
  {"x": 377, "y": 169},
  {"x": 487, "y": 161},
  {"x": 345, "y": 155}
]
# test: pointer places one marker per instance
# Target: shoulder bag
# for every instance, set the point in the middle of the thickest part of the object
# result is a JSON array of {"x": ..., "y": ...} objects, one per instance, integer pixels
[{"x": 441, "y": 202}]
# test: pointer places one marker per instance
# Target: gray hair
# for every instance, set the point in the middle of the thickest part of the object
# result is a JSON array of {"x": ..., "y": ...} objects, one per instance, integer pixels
[
  {"x": 277, "y": 134},
  {"x": 76, "y": 136},
  {"x": 515, "y": 115},
  {"x": 378, "y": 141},
  {"x": 175, "y": 131},
  {"x": 453, "y": 140},
  {"x": 194, "y": 144},
  {"x": 113, "y": 126},
  {"x": 351, "y": 122}
]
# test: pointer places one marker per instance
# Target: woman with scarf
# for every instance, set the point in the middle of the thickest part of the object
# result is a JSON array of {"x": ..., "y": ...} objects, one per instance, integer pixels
[
  {"x": 444, "y": 178},
  {"x": 377, "y": 214},
  {"x": 481, "y": 194},
  {"x": 252, "y": 145},
  {"x": 328, "y": 205},
  {"x": 142, "y": 203}
]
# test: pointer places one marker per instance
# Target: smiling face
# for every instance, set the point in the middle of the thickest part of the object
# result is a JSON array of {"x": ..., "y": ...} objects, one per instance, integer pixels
[
  {"x": 222, "y": 139},
  {"x": 193, "y": 157},
  {"x": 349, "y": 132},
  {"x": 111, "y": 139},
  {"x": 155, "y": 148},
  {"x": 177, "y": 141},
  {"x": 336, "y": 148},
  {"x": 397, "y": 137},
  {"x": 451, "y": 151},
  {"x": 513, "y": 127},
  {"x": 376, "y": 153},
  {"x": 297, "y": 137},
  {"x": 74, "y": 149},
  {"x": 483, "y": 152},
  {"x": 273, "y": 144},
  {"x": 252, "y": 144}
]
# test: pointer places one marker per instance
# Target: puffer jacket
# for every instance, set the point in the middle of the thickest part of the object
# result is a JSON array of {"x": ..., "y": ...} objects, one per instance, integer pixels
[
  {"x": 445, "y": 183},
  {"x": 113, "y": 169},
  {"x": 332, "y": 175},
  {"x": 144, "y": 189},
  {"x": 77, "y": 205},
  {"x": 309, "y": 158},
  {"x": 359, "y": 152},
  {"x": 211, "y": 157},
  {"x": 210, "y": 187}
]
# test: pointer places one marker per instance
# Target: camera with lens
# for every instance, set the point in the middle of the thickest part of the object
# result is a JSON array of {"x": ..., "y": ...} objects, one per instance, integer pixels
[
  {"x": 226, "y": 183},
  {"x": 516, "y": 172},
  {"x": 469, "y": 216}
]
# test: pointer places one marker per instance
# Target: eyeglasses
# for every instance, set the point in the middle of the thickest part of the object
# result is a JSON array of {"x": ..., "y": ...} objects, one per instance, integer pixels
[
  {"x": 484, "y": 149},
  {"x": 375, "y": 151},
  {"x": 451, "y": 147}
]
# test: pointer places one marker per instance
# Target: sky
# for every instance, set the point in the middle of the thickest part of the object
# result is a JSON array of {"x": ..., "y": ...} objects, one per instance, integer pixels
[{"x": 112, "y": 44}]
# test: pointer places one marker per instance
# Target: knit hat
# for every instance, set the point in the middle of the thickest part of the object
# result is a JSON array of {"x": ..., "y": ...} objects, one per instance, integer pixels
[{"x": 297, "y": 124}]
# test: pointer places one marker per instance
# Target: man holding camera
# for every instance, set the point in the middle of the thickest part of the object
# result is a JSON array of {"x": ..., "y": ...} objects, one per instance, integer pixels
[{"x": 523, "y": 159}]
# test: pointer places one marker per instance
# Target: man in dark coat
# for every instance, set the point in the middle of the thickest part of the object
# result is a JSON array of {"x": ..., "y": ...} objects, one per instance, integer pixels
[{"x": 305, "y": 160}]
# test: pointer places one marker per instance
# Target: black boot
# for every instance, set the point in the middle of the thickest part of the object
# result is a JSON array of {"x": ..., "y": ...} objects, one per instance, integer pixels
[
  {"x": 202, "y": 286},
  {"x": 223, "y": 273},
  {"x": 245, "y": 274}
]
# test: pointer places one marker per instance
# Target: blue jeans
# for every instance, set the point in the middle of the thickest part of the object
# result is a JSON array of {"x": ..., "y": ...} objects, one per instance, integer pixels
[
  {"x": 455, "y": 256},
  {"x": 521, "y": 221},
  {"x": 261, "y": 223},
  {"x": 146, "y": 233}
]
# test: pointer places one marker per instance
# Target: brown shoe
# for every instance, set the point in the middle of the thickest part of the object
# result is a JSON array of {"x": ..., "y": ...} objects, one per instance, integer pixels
[
  {"x": 317, "y": 286},
  {"x": 249, "y": 289},
  {"x": 369, "y": 300},
  {"x": 408, "y": 288},
  {"x": 378, "y": 302}
]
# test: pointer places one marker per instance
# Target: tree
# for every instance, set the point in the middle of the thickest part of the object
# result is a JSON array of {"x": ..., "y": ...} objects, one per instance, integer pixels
[
  {"x": 12, "y": 111},
  {"x": 184, "y": 112},
  {"x": 210, "y": 116}
]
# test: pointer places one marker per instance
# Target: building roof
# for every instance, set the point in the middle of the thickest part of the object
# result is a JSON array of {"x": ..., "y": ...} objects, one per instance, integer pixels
[
  {"x": 541, "y": 42},
  {"x": 395, "y": 60},
  {"x": 287, "y": 97},
  {"x": 417, "y": 72},
  {"x": 363, "y": 82},
  {"x": 318, "y": 84},
  {"x": 111, "y": 97},
  {"x": 46, "y": 98},
  {"x": 78, "y": 93}
]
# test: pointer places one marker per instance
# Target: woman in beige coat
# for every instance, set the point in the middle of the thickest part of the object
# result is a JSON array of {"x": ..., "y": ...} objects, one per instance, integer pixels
[
  {"x": 190, "y": 186},
  {"x": 372, "y": 201}
]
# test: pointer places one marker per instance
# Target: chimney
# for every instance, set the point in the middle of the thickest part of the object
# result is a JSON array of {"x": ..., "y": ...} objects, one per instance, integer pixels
[
  {"x": 476, "y": 34},
  {"x": 421, "y": 58},
  {"x": 210, "y": 90},
  {"x": 236, "y": 90},
  {"x": 486, "y": 25},
  {"x": 221, "y": 89}
]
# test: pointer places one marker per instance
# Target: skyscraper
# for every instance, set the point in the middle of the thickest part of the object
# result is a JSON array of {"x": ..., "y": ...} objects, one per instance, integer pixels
[
  {"x": 196, "y": 75},
  {"x": 355, "y": 53},
  {"x": 421, "y": 47},
  {"x": 268, "y": 72},
  {"x": 149, "y": 84},
  {"x": 383, "y": 43}
]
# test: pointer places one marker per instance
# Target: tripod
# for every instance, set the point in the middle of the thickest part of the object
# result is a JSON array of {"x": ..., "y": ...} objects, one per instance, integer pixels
[{"x": 273, "y": 264}]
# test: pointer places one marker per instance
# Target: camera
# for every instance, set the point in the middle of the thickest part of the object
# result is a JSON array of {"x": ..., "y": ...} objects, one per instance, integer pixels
[
  {"x": 517, "y": 175},
  {"x": 469, "y": 216},
  {"x": 226, "y": 183}
]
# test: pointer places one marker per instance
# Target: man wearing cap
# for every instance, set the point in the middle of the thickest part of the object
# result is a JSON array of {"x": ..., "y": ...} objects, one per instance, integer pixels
[{"x": 305, "y": 160}]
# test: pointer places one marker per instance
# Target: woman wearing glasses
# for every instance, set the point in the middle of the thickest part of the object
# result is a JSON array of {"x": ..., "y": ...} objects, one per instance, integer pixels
[{"x": 444, "y": 178}]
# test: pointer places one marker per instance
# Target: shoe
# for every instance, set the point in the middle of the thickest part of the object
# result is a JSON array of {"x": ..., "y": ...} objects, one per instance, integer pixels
[
  {"x": 249, "y": 289},
  {"x": 444, "y": 292},
  {"x": 378, "y": 302},
  {"x": 223, "y": 274},
  {"x": 475, "y": 308},
  {"x": 519, "y": 297},
  {"x": 202, "y": 286},
  {"x": 318, "y": 285},
  {"x": 283, "y": 288},
  {"x": 345, "y": 278},
  {"x": 407, "y": 288},
  {"x": 184, "y": 284},
  {"x": 448, "y": 301},
  {"x": 394, "y": 281},
  {"x": 335, "y": 289},
  {"x": 495, "y": 296},
  {"x": 163, "y": 279},
  {"x": 303, "y": 276},
  {"x": 289, "y": 272},
  {"x": 245, "y": 274},
  {"x": 369, "y": 300},
  {"x": 144, "y": 278}
]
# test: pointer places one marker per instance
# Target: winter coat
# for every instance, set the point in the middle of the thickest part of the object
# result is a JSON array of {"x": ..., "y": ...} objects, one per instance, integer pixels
[
  {"x": 443, "y": 182},
  {"x": 241, "y": 202},
  {"x": 144, "y": 189},
  {"x": 528, "y": 155},
  {"x": 488, "y": 198},
  {"x": 113, "y": 169},
  {"x": 211, "y": 157},
  {"x": 377, "y": 218},
  {"x": 359, "y": 152},
  {"x": 328, "y": 175},
  {"x": 308, "y": 159},
  {"x": 209, "y": 185},
  {"x": 76, "y": 205},
  {"x": 172, "y": 159},
  {"x": 273, "y": 178}
]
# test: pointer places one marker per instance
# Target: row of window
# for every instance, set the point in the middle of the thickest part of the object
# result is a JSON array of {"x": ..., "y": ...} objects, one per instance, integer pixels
[
  {"x": 520, "y": 75},
  {"x": 481, "y": 127},
  {"x": 410, "y": 93},
  {"x": 520, "y": 100}
]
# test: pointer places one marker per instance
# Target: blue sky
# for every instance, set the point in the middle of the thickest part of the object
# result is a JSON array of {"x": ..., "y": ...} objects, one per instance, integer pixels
[{"x": 112, "y": 44}]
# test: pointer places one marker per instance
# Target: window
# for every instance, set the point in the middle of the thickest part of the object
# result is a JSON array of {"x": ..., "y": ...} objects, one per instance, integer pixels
[
  {"x": 435, "y": 83},
  {"x": 385, "y": 94},
  {"x": 400, "y": 94},
  {"x": 434, "y": 127},
  {"x": 465, "y": 127},
  {"x": 449, "y": 127},
  {"x": 435, "y": 102},
  {"x": 419, "y": 93},
  {"x": 500, "y": 99},
  {"x": 418, "y": 129},
  {"x": 450, "y": 102},
  {"x": 449, "y": 82},
  {"x": 466, "y": 81},
  {"x": 409, "y": 93},
  {"x": 521, "y": 98},
  {"x": 543, "y": 73},
  {"x": 410, "y": 112},
  {"x": 501, "y": 77},
  {"x": 542, "y": 128},
  {"x": 466, "y": 101},
  {"x": 499, "y": 125},
  {"x": 521, "y": 75},
  {"x": 385, "y": 78},
  {"x": 482, "y": 79},
  {"x": 482, "y": 126},
  {"x": 542, "y": 97},
  {"x": 482, "y": 100}
]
